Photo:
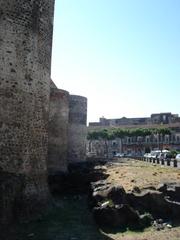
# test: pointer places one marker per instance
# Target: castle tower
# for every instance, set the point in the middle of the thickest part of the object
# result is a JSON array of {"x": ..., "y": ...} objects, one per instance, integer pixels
[
  {"x": 25, "y": 61},
  {"x": 77, "y": 129},
  {"x": 57, "y": 163},
  {"x": 58, "y": 132}
]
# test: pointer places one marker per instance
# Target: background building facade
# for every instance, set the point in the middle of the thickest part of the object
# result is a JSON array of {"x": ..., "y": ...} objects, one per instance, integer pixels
[
  {"x": 136, "y": 145},
  {"x": 159, "y": 119}
]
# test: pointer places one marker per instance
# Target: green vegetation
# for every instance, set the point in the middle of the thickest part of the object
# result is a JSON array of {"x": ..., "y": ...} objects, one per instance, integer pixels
[
  {"x": 110, "y": 134},
  {"x": 174, "y": 153},
  {"x": 106, "y": 135}
]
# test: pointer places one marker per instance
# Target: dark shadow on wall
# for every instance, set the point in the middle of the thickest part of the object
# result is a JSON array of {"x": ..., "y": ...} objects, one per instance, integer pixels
[
  {"x": 78, "y": 178},
  {"x": 69, "y": 218}
]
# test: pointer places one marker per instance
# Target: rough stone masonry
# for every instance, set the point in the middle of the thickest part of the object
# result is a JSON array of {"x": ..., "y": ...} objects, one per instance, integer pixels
[
  {"x": 67, "y": 135},
  {"x": 77, "y": 129},
  {"x": 25, "y": 61},
  {"x": 58, "y": 131}
]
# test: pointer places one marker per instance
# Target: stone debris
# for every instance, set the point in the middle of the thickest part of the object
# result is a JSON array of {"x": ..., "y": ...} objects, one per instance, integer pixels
[
  {"x": 114, "y": 207},
  {"x": 159, "y": 225},
  {"x": 105, "y": 204}
]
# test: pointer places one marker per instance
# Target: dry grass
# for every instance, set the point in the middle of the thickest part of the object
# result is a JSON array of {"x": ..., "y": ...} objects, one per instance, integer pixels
[
  {"x": 173, "y": 234},
  {"x": 131, "y": 173}
]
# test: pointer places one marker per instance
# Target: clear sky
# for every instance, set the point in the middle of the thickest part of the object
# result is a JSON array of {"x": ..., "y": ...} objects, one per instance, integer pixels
[{"x": 123, "y": 55}]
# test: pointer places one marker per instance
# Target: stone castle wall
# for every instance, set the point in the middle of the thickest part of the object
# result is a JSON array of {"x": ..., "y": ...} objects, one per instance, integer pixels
[
  {"x": 67, "y": 131},
  {"x": 30, "y": 114},
  {"x": 25, "y": 61},
  {"x": 58, "y": 131},
  {"x": 77, "y": 129}
]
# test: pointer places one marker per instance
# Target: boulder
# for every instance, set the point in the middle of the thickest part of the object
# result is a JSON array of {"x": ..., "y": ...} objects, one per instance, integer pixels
[
  {"x": 145, "y": 220},
  {"x": 102, "y": 192},
  {"x": 117, "y": 194},
  {"x": 113, "y": 207},
  {"x": 175, "y": 209},
  {"x": 171, "y": 190},
  {"x": 150, "y": 201},
  {"x": 117, "y": 216},
  {"x": 162, "y": 187}
]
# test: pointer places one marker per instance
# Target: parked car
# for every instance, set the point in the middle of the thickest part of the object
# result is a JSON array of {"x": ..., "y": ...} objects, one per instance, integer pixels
[
  {"x": 178, "y": 157},
  {"x": 155, "y": 153},
  {"x": 119, "y": 155},
  {"x": 160, "y": 156},
  {"x": 147, "y": 155},
  {"x": 168, "y": 155},
  {"x": 165, "y": 151},
  {"x": 165, "y": 154}
]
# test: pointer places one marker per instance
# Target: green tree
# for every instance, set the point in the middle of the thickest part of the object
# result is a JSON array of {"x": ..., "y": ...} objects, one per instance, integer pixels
[
  {"x": 110, "y": 134},
  {"x": 120, "y": 134},
  {"x": 91, "y": 136}
]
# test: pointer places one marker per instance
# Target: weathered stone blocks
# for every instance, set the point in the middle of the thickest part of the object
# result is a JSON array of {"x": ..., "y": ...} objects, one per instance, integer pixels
[
  {"x": 25, "y": 62},
  {"x": 77, "y": 129},
  {"x": 58, "y": 131}
]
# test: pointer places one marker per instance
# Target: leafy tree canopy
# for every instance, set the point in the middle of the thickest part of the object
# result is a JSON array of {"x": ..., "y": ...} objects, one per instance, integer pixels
[{"x": 110, "y": 134}]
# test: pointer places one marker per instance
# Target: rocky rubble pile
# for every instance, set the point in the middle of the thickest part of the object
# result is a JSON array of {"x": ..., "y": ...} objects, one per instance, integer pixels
[{"x": 114, "y": 207}]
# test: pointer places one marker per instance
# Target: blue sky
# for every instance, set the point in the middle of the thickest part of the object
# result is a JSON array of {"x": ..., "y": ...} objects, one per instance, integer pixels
[{"x": 123, "y": 55}]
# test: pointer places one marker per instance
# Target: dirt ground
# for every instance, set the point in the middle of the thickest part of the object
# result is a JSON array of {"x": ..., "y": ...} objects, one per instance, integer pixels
[
  {"x": 71, "y": 219},
  {"x": 130, "y": 173},
  {"x": 173, "y": 234}
]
